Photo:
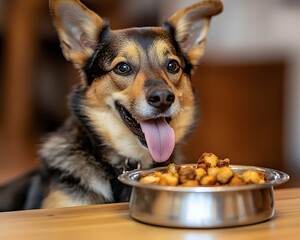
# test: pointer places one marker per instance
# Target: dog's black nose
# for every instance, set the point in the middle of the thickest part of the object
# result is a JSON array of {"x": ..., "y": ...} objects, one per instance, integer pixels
[{"x": 160, "y": 97}]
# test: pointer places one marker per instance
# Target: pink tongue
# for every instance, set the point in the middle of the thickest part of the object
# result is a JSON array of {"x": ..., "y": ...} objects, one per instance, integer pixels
[{"x": 160, "y": 138}]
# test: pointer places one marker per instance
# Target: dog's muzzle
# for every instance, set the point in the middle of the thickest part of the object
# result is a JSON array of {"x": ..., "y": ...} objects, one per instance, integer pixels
[{"x": 155, "y": 133}]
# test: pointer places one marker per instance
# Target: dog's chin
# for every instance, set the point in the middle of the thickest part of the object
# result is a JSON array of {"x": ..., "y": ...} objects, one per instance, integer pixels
[{"x": 132, "y": 123}]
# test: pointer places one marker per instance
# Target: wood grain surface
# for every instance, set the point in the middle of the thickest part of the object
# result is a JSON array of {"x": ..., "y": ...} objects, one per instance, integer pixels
[{"x": 112, "y": 221}]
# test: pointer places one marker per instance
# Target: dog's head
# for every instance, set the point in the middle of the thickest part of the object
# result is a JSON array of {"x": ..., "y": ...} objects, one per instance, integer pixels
[{"x": 138, "y": 94}]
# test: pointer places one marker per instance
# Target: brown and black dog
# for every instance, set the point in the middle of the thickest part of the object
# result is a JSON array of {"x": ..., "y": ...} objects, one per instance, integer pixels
[{"x": 134, "y": 105}]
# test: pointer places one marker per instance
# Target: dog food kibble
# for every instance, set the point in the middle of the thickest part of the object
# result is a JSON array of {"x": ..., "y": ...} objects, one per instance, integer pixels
[{"x": 209, "y": 171}]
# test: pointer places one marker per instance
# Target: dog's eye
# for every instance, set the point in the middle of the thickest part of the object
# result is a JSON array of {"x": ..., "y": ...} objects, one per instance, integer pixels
[
  {"x": 173, "y": 66},
  {"x": 122, "y": 69}
]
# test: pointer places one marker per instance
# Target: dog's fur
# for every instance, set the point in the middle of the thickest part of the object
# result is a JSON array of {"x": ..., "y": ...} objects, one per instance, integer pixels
[{"x": 128, "y": 76}]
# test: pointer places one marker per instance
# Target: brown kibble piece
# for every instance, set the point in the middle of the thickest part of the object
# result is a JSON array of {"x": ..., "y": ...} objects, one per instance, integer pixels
[
  {"x": 224, "y": 175},
  {"x": 150, "y": 179},
  {"x": 223, "y": 163},
  {"x": 253, "y": 177},
  {"x": 200, "y": 172},
  {"x": 210, "y": 158},
  {"x": 208, "y": 180},
  {"x": 190, "y": 183},
  {"x": 237, "y": 181},
  {"x": 186, "y": 173},
  {"x": 168, "y": 179},
  {"x": 173, "y": 168},
  {"x": 213, "y": 171}
]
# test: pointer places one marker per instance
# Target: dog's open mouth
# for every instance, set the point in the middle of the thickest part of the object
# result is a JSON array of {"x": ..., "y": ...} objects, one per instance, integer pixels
[{"x": 156, "y": 134}]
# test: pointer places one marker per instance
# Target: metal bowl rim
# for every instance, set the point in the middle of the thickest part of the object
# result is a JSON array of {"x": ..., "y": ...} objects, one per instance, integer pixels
[{"x": 279, "y": 178}]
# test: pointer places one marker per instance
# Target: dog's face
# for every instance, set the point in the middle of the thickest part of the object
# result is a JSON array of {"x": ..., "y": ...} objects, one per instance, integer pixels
[{"x": 138, "y": 93}]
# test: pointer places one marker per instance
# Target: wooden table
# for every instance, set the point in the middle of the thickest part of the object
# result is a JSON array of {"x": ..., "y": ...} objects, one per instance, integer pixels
[{"x": 112, "y": 221}]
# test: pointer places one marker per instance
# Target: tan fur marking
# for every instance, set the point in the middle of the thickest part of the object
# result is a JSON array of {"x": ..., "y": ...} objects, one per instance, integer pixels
[
  {"x": 129, "y": 52},
  {"x": 57, "y": 198}
]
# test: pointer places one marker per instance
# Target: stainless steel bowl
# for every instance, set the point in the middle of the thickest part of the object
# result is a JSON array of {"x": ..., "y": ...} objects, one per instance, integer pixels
[{"x": 203, "y": 207}]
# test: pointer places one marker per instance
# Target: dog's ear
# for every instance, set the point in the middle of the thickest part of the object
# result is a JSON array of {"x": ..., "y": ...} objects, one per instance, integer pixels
[
  {"x": 78, "y": 29},
  {"x": 191, "y": 27}
]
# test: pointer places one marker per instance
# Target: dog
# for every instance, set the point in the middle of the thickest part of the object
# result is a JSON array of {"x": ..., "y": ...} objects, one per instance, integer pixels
[{"x": 134, "y": 105}]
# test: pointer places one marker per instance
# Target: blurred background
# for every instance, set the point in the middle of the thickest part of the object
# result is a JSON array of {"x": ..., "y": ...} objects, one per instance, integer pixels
[{"x": 248, "y": 82}]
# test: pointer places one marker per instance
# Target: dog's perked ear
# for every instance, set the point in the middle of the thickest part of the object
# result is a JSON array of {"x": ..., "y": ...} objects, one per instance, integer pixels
[
  {"x": 191, "y": 26},
  {"x": 78, "y": 29}
]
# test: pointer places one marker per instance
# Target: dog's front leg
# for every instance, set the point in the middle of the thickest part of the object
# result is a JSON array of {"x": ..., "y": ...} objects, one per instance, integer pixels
[{"x": 75, "y": 176}]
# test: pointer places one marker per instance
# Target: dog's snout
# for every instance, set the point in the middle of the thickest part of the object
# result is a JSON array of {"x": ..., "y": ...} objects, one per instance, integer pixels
[{"x": 160, "y": 97}]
